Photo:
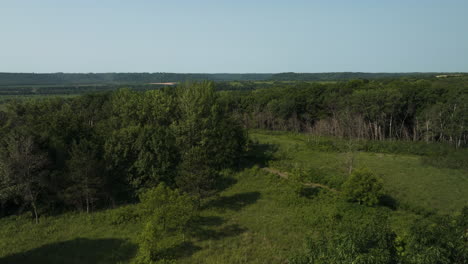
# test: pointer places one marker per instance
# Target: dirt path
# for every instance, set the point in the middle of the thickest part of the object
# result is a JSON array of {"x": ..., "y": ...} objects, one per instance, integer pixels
[{"x": 284, "y": 175}]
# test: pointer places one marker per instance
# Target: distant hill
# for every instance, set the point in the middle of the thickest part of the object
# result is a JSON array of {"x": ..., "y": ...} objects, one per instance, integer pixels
[
  {"x": 344, "y": 76},
  {"x": 119, "y": 78},
  {"x": 9, "y": 79}
]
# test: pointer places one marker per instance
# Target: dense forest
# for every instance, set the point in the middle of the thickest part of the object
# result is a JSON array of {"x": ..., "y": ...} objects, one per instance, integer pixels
[
  {"x": 161, "y": 157},
  {"x": 417, "y": 110},
  {"x": 101, "y": 150}
]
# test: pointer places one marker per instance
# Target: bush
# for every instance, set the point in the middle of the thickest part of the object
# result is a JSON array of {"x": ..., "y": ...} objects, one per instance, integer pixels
[
  {"x": 369, "y": 240},
  {"x": 168, "y": 213},
  {"x": 124, "y": 214},
  {"x": 363, "y": 187},
  {"x": 437, "y": 239}
]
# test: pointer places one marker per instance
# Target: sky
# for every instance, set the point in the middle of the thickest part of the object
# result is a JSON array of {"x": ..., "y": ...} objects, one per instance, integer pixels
[{"x": 235, "y": 36}]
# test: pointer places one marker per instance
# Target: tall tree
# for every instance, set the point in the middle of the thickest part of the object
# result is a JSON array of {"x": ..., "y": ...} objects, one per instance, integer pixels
[
  {"x": 85, "y": 175},
  {"x": 168, "y": 214},
  {"x": 207, "y": 137},
  {"x": 22, "y": 170}
]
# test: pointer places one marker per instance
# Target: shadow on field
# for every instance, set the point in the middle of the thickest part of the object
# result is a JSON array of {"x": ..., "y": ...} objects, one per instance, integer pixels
[
  {"x": 259, "y": 154},
  {"x": 183, "y": 250},
  {"x": 224, "y": 183},
  {"x": 233, "y": 202},
  {"x": 388, "y": 201},
  {"x": 309, "y": 192},
  {"x": 206, "y": 228},
  {"x": 80, "y": 250}
]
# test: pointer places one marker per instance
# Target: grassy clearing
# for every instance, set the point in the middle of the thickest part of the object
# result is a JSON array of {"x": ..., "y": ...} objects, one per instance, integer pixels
[
  {"x": 69, "y": 238},
  {"x": 407, "y": 179},
  {"x": 259, "y": 218}
]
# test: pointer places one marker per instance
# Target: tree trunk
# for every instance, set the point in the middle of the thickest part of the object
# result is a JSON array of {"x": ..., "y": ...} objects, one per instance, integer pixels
[
  {"x": 87, "y": 203},
  {"x": 391, "y": 119},
  {"x": 33, "y": 204}
]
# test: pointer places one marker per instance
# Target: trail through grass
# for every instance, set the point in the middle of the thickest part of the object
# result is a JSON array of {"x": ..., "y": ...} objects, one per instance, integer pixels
[{"x": 406, "y": 178}]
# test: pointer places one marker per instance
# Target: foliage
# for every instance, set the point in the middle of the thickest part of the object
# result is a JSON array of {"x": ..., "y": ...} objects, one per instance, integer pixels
[
  {"x": 257, "y": 218},
  {"x": 210, "y": 139},
  {"x": 410, "y": 109},
  {"x": 408, "y": 180},
  {"x": 363, "y": 187},
  {"x": 103, "y": 149},
  {"x": 124, "y": 215},
  {"x": 371, "y": 240},
  {"x": 321, "y": 176},
  {"x": 22, "y": 171},
  {"x": 84, "y": 175},
  {"x": 168, "y": 214},
  {"x": 438, "y": 239}
]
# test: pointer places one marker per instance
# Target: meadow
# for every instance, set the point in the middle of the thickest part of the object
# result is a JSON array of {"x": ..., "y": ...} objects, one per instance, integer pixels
[{"x": 257, "y": 217}]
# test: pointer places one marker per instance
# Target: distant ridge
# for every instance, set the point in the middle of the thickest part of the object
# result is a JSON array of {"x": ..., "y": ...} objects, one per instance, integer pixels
[
  {"x": 162, "y": 77},
  {"x": 344, "y": 76},
  {"x": 119, "y": 78}
]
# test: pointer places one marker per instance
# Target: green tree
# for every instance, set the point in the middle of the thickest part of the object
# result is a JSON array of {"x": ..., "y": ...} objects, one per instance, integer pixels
[
  {"x": 22, "y": 170},
  {"x": 208, "y": 138},
  {"x": 363, "y": 187},
  {"x": 168, "y": 214},
  {"x": 85, "y": 175},
  {"x": 143, "y": 156}
]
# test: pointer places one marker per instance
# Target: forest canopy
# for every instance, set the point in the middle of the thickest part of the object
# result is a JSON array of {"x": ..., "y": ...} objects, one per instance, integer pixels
[{"x": 104, "y": 149}]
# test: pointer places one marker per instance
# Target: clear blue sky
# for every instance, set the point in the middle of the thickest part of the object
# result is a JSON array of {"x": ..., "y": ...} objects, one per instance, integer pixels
[{"x": 233, "y": 36}]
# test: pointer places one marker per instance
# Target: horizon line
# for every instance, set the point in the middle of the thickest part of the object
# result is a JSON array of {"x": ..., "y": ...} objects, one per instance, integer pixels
[{"x": 420, "y": 72}]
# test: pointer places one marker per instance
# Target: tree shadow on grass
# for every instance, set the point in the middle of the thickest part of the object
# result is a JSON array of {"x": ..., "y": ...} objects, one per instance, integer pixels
[
  {"x": 224, "y": 183},
  {"x": 182, "y": 250},
  {"x": 388, "y": 201},
  {"x": 206, "y": 228},
  {"x": 309, "y": 192},
  {"x": 234, "y": 202},
  {"x": 259, "y": 154},
  {"x": 80, "y": 250}
]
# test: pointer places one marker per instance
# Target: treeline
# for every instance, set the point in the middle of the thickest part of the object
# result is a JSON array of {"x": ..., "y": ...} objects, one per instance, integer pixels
[
  {"x": 416, "y": 110},
  {"x": 140, "y": 78},
  {"x": 346, "y": 76},
  {"x": 122, "y": 78},
  {"x": 103, "y": 149},
  {"x": 72, "y": 89},
  {"x": 61, "y": 89}
]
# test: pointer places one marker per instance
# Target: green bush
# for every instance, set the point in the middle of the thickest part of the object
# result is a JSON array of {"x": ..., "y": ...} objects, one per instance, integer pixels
[
  {"x": 369, "y": 240},
  {"x": 363, "y": 187},
  {"x": 168, "y": 214},
  {"x": 124, "y": 214},
  {"x": 437, "y": 240}
]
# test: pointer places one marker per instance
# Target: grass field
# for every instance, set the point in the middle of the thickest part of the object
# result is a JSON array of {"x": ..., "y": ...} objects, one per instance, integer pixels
[
  {"x": 406, "y": 177},
  {"x": 258, "y": 218}
]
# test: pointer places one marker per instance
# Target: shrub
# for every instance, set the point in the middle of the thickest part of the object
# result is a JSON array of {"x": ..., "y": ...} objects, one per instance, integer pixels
[
  {"x": 363, "y": 187},
  {"x": 369, "y": 240},
  {"x": 437, "y": 239},
  {"x": 168, "y": 213},
  {"x": 124, "y": 214}
]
